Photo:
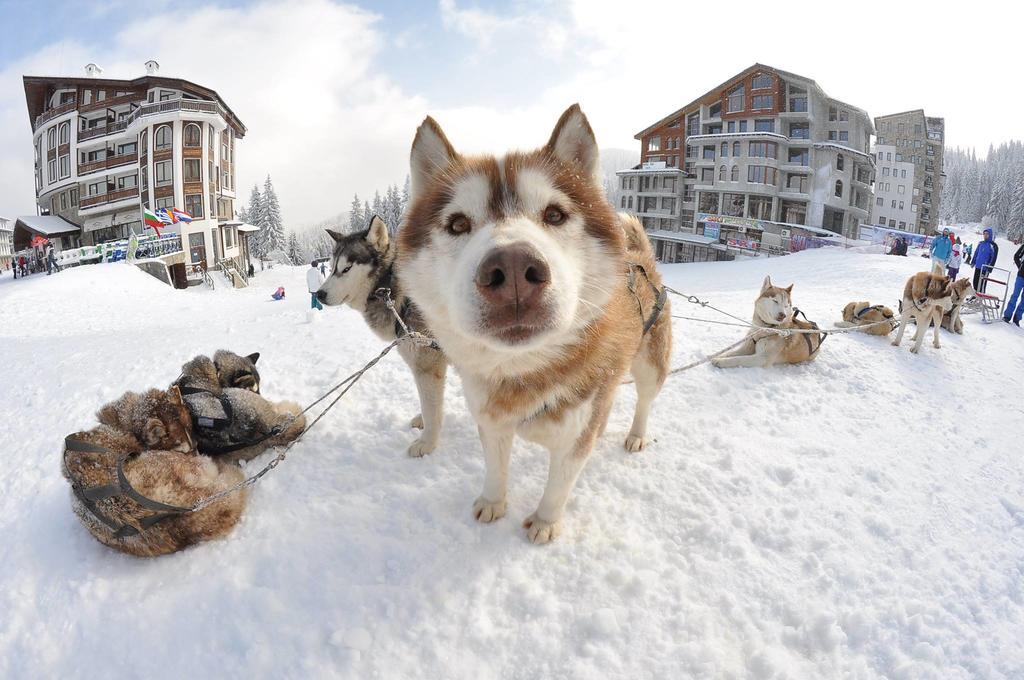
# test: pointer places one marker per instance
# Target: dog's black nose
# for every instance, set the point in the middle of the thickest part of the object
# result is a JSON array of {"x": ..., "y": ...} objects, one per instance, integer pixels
[
  {"x": 321, "y": 296},
  {"x": 513, "y": 275}
]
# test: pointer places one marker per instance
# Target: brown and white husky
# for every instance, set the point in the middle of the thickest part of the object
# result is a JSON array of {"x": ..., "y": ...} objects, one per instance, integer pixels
[
  {"x": 522, "y": 270},
  {"x": 926, "y": 297}
]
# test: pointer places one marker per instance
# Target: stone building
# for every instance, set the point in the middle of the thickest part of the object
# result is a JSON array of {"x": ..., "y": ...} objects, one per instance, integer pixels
[
  {"x": 909, "y": 172},
  {"x": 766, "y": 147}
]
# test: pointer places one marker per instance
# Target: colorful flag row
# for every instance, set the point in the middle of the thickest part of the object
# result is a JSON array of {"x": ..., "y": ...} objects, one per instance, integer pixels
[{"x": 163, "y": 216}]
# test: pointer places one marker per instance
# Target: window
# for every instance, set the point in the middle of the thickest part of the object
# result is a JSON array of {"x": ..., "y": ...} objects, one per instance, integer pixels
[
  {"x": 693, "y": 124},
  {"x": 192, "y": 136},
  {"x": 903, "y": 225},
  {"x": 760, "y": 174},
  {"x": 839, "y": 161},
  {"x": 51, "y": 138},
  {"x": 709, "y": 153},
  {"x": 715, "y": 110},
  {"x": 899, "y": 158},
  {"x": 839, "y": 188},
  {"x": 96, "y": 188},
  {"x": 101, "y": 95},
  {"x": 735, "y": 149},
  {"x": 143, "y": 142},
  {"x": 65, "y": 133},
  {"x": 691, "y": 152},
  {"x": 163, "y": 173},
  {"x": 760, "y": 207},
  {"x": 797, "y": 99},
  {"x": 799, "y": 131},
  {"x": 893, "y": 204},
  {"x": 743, "y": 126},
  {"x": 721, "y": 174},
  {"x": 901, "y": 205},
  {"x": 917, "y": 191},
  {"x": 844, "y": 115},
  {"x": 708, "y": 202},
  {"x": 162, "y": 138},
  {"x": 885, "y": 172},
  {"x": 194, "y": 205},
  {"x": 674, "y": 124},
  {"x": 892, "y": 224},
  {"x": 623, "y": 204},
  {"x": 653, "y": 144},
  {"x": 879, "y": 202},
  {"x": 52, "y": 174},
  {"x": 762, "y": 81},
  {"x": 63, "y": 200},
  {"x": 193, "y": 170},
  {"x": 797, "y": 183},
  {"x": 128, "y": 148},
  {"x": 86, "y": 97},
  {"x": 844, "y": 136},
  {"x": 165, "y": 95},
  {"x": 913, "y": 207},
  {"x": 65, "y": 166},
  {"x": 725, "y": 149},
  {"x": 127, "y": 182},
  {"x": 764, "y": 125},
  {"x": 794, "y": 212},
  {"x": 832, "y": 114},
  {"x": 736, "y": 96},
  {"x": 707, "y": 175},
  {"x": 630, "y": 202},
  {"x": 732, "y": 205},
  {"x": 735, "y": 174},
  {"x": 901, "y": 189},
  {"x": 144, "y": 179},
  {"x": 763, "y": 149},
  {"x": 799, "y": 157},
  {"x": 731, "y": 126},
  {"x": 762, "y": 101},
  {"x": 888, "y": 156}
]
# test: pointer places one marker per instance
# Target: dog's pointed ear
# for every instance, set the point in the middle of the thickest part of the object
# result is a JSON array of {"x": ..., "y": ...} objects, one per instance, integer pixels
[
  {"x": 254, "y": 357},
  {"x": 766, "y": 284},
  {"x": 175, "y": 394},
  {"x": 335, "y": 235},
  {"x": 377, "y": 234},
  {"x": 431, "y": 154},
  {"x": 789, "y": 289},
  {"x": 572, "y": 141}
]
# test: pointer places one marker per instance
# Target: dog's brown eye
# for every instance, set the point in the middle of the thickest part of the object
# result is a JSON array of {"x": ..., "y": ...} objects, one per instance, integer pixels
[
  {"x": 553, "y": 216},
  {"x": 458, "y": 224}
]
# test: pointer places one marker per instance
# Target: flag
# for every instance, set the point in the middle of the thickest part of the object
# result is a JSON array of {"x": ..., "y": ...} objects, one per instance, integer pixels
[
  {"x": 151, "y": 219},
  {"x": 165, "y": 216},
  {"x": 180, "y": 215}
]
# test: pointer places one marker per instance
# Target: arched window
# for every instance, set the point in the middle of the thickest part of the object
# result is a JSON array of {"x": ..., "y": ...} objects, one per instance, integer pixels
[
  {"x": 839, "y": 188},
  {"x": 162, "y": 138},
  {"x": 735, "y": 173},
  {"x": 721, "y": 173},
  {"x": 725, "y": 149},
  {"x": 51, "y": 138},
  {"x": 839, "y": 161},
  {"x": 65, "y": 133},
  {"x": 735, "y": 148},
  {"x": 192, "y": 136},
  {"x": 143, "y": 142}
]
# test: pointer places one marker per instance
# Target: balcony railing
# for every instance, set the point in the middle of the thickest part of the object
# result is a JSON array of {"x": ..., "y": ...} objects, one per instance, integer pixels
[
  {"x": 108, "y": 129},
  {"x": 110, "y": 162},
  {"x": 109, "y": 197},
  {"x": 174, "y": 105},
  {"x": 53, "y": 113}
]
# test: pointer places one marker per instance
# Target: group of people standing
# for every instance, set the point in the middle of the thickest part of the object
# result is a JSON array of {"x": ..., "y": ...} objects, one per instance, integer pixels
[
  {"x": 35, "y": 263},
  {"x": 949, "y": 253}
]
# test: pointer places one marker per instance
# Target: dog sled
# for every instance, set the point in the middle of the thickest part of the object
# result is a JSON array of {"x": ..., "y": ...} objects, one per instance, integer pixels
[{"x": 987, "y": 304}]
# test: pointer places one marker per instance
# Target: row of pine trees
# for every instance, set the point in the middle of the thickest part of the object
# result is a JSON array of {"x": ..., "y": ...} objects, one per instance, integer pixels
[
  {"x": 990, "y": 191},
  {"x": 264, "y": 211}
]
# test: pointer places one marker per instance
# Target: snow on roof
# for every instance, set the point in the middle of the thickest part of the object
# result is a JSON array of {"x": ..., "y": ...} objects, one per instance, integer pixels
[
  {"x": 682, "y": 236},
  {"x": 847, "y": 149},
  {"x": 47, "y": 225}
]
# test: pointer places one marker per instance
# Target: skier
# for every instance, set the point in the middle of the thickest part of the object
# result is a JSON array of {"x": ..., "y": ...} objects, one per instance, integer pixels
[
  {"x": 955, "y": 259},
  {"x": 985, "y": 256},
  {"x": 314, "y": 279},
  {"x": 941, "y": 247},
  {"x": 1017, "y": 299}
]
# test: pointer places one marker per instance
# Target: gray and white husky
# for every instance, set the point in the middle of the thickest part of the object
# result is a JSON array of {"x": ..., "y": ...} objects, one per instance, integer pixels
[{"x": 363, "y": 263}]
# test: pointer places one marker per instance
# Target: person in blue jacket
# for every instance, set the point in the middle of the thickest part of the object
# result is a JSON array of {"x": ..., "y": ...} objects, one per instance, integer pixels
[
  {"x": 984, "y": 258},
  {"x": 1018, "y": 288},
  {"x": 941, "y": 249}
]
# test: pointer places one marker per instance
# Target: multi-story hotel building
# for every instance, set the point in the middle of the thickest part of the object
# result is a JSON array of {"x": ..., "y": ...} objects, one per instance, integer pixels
[
  {"x": 738, "y": 168},
  {"x": 6, "y": 243},
  {"x": 105, "y": 149},
  {"x": 909, "y": 173}
]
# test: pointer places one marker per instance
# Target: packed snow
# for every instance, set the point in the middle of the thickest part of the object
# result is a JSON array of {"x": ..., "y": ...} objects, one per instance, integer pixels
[{"x": 860, "y": 516}]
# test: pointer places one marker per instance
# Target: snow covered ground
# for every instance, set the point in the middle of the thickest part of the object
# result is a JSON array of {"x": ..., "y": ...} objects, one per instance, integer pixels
[{"x": 861, "y": 516}]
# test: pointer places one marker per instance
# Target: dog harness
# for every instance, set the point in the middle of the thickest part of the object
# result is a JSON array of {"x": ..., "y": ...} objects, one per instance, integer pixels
[
  {"x": 90, "y": 496},
  {"x": 215, "y": 425},
  {"x": 811, "y": 348},
  {"x": 880, "y": 309},
  {"x": 660, "y": 295}
]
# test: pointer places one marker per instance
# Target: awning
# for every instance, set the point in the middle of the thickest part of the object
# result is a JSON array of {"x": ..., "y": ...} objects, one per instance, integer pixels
[{"x": 47, "y": 226}]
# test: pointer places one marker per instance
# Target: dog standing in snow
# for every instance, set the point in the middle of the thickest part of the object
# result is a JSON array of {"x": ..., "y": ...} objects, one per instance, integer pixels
[
  {"x": 363, "y": 263},
  {"x": 926, "y": 297},
  {"x": 773, "y": 309},
  {"x": 522, "y": 270}
]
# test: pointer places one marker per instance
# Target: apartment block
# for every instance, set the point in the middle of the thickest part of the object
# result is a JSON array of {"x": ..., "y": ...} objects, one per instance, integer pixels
[
  {"x": 742, "y": 166},
  {"x": 107, "y": 149},
  {"x": 6, "y": 243},
  {"x": 909, "y": 172}
]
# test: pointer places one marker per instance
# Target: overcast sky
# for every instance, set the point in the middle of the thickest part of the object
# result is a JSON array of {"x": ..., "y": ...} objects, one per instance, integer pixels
[{"x": 331, "y": 93}]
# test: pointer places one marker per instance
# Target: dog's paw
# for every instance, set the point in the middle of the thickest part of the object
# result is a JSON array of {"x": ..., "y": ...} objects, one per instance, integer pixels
[
  {"x": 417, "y": 422},
  {"x": 895, "y": 343},
  {"x": 421, "y": 447},
  {"x": 541, "y": 531},
  {"x": 635, "y": 443},
  {"x": 937, "y": 345},
  {"x": 485, "y": 511},
  {"x": 913, "y": 350},
  {"x": 717, "y": 363}
]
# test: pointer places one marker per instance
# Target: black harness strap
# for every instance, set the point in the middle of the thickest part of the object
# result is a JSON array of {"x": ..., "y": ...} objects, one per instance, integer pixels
[
  {"x": 811, "y": 347},
  {"x": 660, "y": 295},
  {"x": 216, "y": 424},
  {"x": 879, "y": 308}
]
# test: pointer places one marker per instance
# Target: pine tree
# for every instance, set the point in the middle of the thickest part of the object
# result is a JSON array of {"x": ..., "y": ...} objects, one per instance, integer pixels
[
  {"x": 273, "y": 228},
  {"x": 255, "y": 213},
  {"x": 378, "y": 206},
  {"x": 355, "y": 215},
  {"x": 1015, "y": 218},
  {"x": 392, "y": 209},
  {"x": 293, "y": 250},
  {"x": 367, "y": 214}
]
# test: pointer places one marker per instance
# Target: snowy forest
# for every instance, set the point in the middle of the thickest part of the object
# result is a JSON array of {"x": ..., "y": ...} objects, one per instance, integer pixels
[{"x": 990, "y": 191}]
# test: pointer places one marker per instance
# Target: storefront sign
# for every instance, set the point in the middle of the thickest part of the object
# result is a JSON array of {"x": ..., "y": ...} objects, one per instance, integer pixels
[
  {"x": 712, "y": 230},
  {"x": 741, "y": 223},
  {"x": 746, "y": 244}
]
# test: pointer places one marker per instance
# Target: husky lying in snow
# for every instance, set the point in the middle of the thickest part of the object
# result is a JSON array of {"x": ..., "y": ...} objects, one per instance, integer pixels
[
  {"x": 521, "y": 269},
  {"x": 223, "y": 396},
  {"x": 363, "y": 263},
  {"x": 773, "y": 309},
  {"x": 866, "y": 314},
  {"x": 926, "y": 298},
  {"x": 157, "y": 428}
]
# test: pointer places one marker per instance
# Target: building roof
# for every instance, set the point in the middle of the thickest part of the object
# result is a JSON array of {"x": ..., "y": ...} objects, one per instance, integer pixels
[
  {"x": 683, "y": 237},
  {"x": 901, "y": 113},
  {"x": 46, "y": 225},
  {"x": 36, "y": 88},
  {"x": 740, "y": 76},
  {"x": 242, "y": 226}
]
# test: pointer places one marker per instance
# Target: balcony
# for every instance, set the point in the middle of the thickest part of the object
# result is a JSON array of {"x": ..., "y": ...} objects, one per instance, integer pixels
[
  {"x": 109, "y": 197},
  {"x": 108, "y": 129},
  {"x": 53, "y": 113},
  {"x": 111, "y": 162},
  {"x": 191, "y": 105},
  {"x": 109, "y": 103}
]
